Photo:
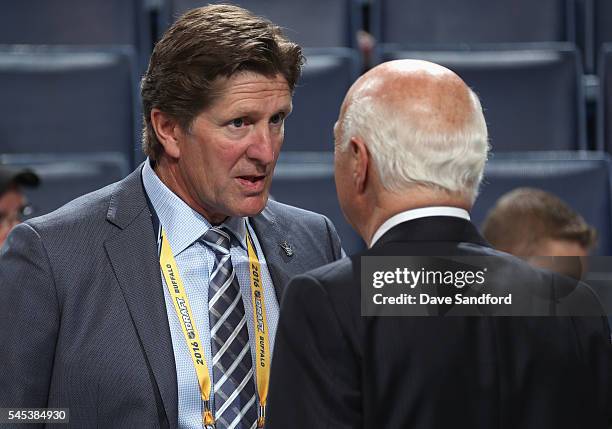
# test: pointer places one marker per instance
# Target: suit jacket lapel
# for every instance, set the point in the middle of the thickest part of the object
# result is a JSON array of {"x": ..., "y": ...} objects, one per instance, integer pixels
[
  {"x": 271, "y": 234},
  {"x": 133, "y": 255}
]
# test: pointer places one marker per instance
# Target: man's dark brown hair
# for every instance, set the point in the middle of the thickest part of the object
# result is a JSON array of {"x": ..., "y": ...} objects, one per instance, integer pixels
[
  {"x": 204, "y": 44},
  {"x": 524, "y": 217}
]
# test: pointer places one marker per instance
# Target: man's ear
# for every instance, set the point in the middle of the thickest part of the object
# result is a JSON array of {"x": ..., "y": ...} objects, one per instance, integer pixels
[
  {"x": 168, "y": 132},
  {"x": 361, "y": 163}
]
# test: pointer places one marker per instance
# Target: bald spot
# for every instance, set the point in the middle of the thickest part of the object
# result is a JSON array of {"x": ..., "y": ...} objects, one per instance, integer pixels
[{"x": 431, "y": 96}]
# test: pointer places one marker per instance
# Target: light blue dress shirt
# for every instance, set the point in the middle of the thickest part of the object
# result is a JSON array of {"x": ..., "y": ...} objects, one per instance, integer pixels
[{"x": 183, "y": 227}]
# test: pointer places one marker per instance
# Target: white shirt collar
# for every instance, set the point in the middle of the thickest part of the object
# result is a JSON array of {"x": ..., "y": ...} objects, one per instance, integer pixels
[
  {"x": 182, "y": 224},
  {"x": 415, "y": 214}
]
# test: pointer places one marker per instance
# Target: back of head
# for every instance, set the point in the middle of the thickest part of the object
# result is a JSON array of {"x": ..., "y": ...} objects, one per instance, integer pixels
[
  {"x": 202, "y": 45},
  {"x": 423, "y": 126},
  {"x": 524, "y": 218}
]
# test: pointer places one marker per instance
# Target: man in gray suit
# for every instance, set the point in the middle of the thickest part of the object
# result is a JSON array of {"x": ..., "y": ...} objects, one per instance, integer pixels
[{"x": 153, "y": 302}]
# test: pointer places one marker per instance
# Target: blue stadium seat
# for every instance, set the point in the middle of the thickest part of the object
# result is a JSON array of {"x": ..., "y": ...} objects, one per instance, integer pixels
[
  {"x": 602, "y": 27},
  {"x": 581, "y": 179},
  {"x": 532, "y": 96},
  {"x": 604, "y": 118},
  {"x": 593, "y": 30},
  {"x": 64, "y": 100},
  {"x": 312, "y": 23},
  {"x": 326, "y": 77},
  {"x": 451, "y": 22},
  {"x": 67, "y": 176},
  {"x": 584, "y": 32},
  {"x": 307, "y": 181},
  {"x": 77, "y": 22}
]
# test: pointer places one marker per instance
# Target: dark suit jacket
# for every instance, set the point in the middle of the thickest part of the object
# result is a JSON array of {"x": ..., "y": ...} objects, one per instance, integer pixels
[
  {"x": 83, "y": 322},
  {"x": 333, "y": 368}
]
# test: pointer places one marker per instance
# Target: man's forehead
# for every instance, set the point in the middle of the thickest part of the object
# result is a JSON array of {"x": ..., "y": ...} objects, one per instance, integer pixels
[
  {"x": 251, "y": 83},
  {"x": 244, "y": 89}
]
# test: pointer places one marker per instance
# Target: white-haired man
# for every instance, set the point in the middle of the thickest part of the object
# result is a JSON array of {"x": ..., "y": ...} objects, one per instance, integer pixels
[{"x": 411, "y": 145}]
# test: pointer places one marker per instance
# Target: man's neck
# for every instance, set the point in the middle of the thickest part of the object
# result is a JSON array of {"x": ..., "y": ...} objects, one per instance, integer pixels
[{"x": 391, "y": 204}]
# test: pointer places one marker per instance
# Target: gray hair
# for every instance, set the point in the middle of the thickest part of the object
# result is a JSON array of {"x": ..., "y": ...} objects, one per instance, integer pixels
[{"x": 408, "y": 153}]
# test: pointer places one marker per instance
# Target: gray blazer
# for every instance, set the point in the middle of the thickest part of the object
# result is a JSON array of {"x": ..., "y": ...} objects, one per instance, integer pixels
[{"x": 83, "y": 322}]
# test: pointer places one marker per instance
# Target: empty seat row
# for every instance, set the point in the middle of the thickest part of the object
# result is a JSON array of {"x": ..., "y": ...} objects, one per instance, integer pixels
[
  {"x": 320, "y": 23},
  {"x": 137, "y": 23},
  {"x": 59, "y": 99},
  {"x": 71, "y": 99},
  {"x": 77, "y": 22},
  {"x": 532, "y": 97},
  {"x": 314, "y": 23},
  {"x": 306, "y": 181},
  {"x": 427, "y": 23},
  {"x": 67, "y": 100},
  {"x": 449, "y": 22}
]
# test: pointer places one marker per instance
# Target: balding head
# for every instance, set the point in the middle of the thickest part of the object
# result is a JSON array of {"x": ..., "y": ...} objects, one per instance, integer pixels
[{"x": 422, "y": 125}]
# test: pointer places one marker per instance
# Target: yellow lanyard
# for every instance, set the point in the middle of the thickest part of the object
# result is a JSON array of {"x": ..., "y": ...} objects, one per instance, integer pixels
[
  {"x": 192, "y": 337},
  {"x": 262, "y": 358}
]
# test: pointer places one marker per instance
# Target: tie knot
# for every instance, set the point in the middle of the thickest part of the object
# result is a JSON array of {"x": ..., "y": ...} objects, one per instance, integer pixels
[{"x": 218, "y": 239}]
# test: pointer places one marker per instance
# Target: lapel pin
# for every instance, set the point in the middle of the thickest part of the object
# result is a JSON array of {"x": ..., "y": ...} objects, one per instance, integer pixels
[{"x": 287, "y": 248}]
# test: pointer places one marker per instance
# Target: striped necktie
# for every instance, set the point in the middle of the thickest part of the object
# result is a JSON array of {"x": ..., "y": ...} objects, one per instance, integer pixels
[{"x": 234, "y": 387}]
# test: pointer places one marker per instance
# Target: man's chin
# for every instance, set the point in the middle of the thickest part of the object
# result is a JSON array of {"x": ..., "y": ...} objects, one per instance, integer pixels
[{"x": 252, "y": 206}]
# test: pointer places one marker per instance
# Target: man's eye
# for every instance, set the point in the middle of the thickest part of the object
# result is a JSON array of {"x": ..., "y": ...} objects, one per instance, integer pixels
[
  {"x": 238, "y": 122},
  {"x": 277, "y": 119}
]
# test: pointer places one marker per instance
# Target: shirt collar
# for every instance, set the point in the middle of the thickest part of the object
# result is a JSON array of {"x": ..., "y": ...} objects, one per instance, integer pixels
[
  {"x": 415, "y": 214},
  {"x": 182, "y": 224}
]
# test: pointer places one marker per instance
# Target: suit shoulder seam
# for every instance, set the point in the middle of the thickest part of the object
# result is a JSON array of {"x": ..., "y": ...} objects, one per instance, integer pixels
[{"x": 48, "y": 260}]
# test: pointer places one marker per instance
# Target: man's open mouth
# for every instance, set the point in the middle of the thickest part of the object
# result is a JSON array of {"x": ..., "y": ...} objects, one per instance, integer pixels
[{"x": 252, "y": 179}]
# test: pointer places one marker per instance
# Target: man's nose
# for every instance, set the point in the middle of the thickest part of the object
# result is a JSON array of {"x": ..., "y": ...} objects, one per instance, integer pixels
[{"x": 262, "y": 146}]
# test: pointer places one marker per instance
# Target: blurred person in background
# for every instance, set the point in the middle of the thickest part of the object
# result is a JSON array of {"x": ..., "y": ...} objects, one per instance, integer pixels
[
  {"x": 13, "y": 203},
  {"x": 542, "y": 229},
  {"x": 153, "y": 302}
]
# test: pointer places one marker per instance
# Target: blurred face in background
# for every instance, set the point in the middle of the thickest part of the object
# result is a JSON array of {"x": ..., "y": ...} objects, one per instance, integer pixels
[
  {"x": 12, "y": 204},
  {"x": 561, "y": 247},
  {"x": 566, "y": 257}
]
